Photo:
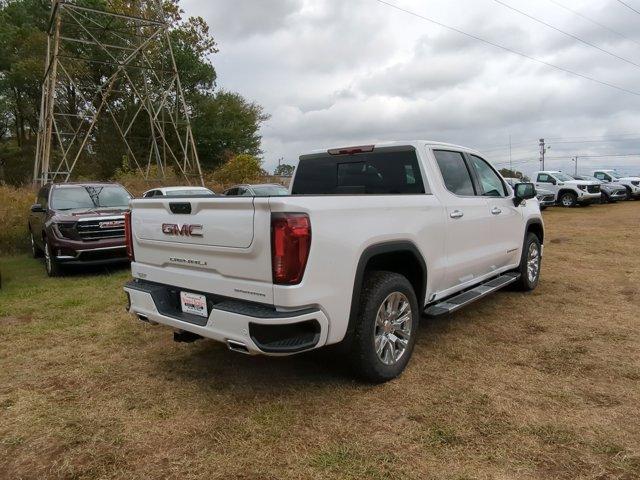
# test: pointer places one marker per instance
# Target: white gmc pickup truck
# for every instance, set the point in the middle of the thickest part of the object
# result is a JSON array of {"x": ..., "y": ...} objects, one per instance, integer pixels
[{"x": 369, "y": 238}]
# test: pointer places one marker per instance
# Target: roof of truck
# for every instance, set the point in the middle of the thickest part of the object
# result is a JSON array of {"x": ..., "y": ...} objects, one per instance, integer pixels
[{"x": 399, "y": 143}]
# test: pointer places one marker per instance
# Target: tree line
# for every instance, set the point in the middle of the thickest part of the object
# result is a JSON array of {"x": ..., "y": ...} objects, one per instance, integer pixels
[{"x": 224, "y": 123}]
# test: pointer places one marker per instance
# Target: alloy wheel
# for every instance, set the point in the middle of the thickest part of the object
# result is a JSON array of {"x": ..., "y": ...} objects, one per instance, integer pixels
[
  {"x": 393, "y": 328},
  {"x": 533, "y": 262},
  {"x": 47, "y": 257}
]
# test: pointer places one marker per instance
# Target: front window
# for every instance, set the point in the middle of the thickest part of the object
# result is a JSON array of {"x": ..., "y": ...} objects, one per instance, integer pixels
[
  {"x": 492, "y": 186},
  {"x": 82, "y": 197},
  {"x": 563, "y": 177},
  {"x": 187, "y": 192},
  {"x": 269, "y": 190},
  {"x": 615, "y": 175}
]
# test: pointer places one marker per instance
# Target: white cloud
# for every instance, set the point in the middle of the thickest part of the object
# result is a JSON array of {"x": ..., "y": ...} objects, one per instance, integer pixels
[{"x": 335, "y": 72}]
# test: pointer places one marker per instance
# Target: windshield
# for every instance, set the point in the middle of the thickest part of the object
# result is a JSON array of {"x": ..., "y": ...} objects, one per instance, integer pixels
[
  {"x": 185, "y": 193},
  {"x": 615, "y": 175},
  {"x": 270, "y": 190},
  {"x": 69, "y": 198},
  {"x": 563, "y": 177}
]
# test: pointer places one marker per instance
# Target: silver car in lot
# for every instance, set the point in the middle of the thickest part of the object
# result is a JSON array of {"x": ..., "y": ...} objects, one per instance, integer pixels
[
  {"x": 546, "y": 198},
  {"x": 610, "y": 192}
]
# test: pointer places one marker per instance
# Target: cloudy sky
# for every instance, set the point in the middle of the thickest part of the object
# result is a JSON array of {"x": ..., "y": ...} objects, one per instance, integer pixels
[{"x": 343, "y": 72}]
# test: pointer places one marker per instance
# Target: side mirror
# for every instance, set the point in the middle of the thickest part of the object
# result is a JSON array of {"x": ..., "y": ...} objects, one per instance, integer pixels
[
  {"x": 37, "y": 208},
  {"x": 522, "y": 192}
]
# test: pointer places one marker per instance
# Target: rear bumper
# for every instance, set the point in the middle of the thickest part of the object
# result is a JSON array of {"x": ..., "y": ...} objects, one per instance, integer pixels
[{"x": 261, "y": 329}]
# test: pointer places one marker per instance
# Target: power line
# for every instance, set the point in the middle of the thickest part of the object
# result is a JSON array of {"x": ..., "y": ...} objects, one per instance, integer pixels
[
  {"x": 595, "y": 22},
  {"x": 620, "y": 137},
  {"x": 570, "y": 35},
  {"x": 628, "y": 6},
  {"x": 510, "y": 50}
]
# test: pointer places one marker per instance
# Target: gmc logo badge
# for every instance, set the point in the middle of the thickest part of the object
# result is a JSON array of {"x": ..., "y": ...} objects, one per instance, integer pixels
[{"x": 185, "y": 230}]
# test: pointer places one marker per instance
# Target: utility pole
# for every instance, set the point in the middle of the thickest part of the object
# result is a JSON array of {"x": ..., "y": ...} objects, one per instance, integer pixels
[
  {"x": 542, "y": 152},
  {"x": 510, "y": 161},
  {"x": 576, "y": 162}
]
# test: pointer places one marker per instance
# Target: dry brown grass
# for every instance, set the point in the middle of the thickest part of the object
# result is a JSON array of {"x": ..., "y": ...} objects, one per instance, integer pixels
[{"x": 543, "y": 385}]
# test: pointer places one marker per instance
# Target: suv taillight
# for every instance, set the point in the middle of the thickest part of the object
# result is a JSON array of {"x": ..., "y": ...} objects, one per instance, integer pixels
[
  {"x": 128, "y": 236},
  {"x": 290, "y": 243}
]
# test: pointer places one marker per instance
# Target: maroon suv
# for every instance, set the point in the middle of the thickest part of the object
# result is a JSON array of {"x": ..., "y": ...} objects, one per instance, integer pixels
[{"x": 79, "y": 224}]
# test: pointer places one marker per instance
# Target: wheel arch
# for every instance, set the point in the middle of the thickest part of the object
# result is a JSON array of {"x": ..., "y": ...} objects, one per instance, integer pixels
[
  {"x": 566, "y": 190},
  {"x": 401, "y": 257},
  {"x": 536, "y": 227}
]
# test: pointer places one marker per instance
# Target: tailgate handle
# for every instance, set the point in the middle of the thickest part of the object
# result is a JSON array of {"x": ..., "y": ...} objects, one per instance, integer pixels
[{"x": 180, "y": 207}]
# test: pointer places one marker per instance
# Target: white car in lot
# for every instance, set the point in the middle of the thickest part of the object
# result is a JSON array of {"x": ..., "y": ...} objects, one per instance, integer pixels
[
  {"x": 177, "y": 192},
  {"x": 370, "y": 238},
  {"x": 632, "y": 184},
  {"x": 568, "y": 191},
  {"x": 546, "y": 198}
]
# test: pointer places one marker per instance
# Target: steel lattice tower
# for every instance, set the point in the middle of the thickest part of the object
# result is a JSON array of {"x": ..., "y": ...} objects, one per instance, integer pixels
[{"x": 132, "y": 92}]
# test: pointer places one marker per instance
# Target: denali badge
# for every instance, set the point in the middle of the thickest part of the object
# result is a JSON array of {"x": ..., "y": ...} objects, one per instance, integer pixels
[
  {"x": 112, "y": 224},
  {"x": 185, "y": 230},
  {"x": 188, "y": 261}
]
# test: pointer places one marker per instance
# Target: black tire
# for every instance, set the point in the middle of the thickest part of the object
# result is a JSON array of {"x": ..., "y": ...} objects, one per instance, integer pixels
[
  {"x": 378, "y": 287},
  {"x": 526, "y": 283},
  {"x": 629, "y": 194},
  {"x": 568, "y": 199},
  {"x": 36, "y": 251},
  {"x": 51, "y": 265},
  {"x": 604, "y": 199}
]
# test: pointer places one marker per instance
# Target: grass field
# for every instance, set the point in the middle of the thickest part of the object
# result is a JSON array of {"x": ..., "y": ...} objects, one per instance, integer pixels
[{"x": 543, "y": 385}]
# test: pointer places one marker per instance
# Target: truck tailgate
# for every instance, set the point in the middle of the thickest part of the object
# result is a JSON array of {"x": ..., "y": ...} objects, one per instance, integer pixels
[{"x": 216, "y": 245}]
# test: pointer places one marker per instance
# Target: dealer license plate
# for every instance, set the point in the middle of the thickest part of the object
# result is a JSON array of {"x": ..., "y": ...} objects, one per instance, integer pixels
[{"x": 194, "y": 304}]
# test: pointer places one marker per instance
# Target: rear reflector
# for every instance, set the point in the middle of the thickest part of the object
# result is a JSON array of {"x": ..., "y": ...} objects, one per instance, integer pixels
[
  {"x": 351, "y": 150},
  {"x": 290, "y": 243},
  {"x": 128, "y": 235}
]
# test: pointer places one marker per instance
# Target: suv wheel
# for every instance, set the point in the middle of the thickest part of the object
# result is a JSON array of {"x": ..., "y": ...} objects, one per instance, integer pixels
[
  {"x": 50, "y": 263},
  {"x": 568, "y": 199},
  {"x": 35, "y": 250},
  {"x": 386, "y": 327},
  {"x": 530, "y": 263}
]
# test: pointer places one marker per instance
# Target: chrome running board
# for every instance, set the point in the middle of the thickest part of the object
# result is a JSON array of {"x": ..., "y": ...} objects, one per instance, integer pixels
[{"x": 452, "y": 304}]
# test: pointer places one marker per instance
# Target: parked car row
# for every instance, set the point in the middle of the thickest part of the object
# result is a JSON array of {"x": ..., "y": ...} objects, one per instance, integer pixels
[{"x": 602, "y": 186}]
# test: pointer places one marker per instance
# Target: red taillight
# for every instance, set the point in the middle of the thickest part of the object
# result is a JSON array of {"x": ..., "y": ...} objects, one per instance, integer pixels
[
  {"x": 290, "y": 243},
  {"x": 128, "y": 236}
]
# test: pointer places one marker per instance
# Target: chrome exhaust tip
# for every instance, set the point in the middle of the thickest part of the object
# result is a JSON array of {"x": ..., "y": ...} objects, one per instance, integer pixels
[{"x": 237, "y": 347}]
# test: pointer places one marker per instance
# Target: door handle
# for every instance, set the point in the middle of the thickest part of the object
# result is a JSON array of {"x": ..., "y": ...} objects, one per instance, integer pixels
[
  {"x": 496, "y": 211},
  {"x": 456, "y": 214}
]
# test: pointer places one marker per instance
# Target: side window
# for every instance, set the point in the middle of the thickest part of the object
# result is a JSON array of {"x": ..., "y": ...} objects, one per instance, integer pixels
[
  {"x": 599, "y": 175},
  {"x": 490, "y": 181},
  {"x": 455, "y": 172},
  {"x": 544, "y": 178},
  {"x": 244, "y": 192}
]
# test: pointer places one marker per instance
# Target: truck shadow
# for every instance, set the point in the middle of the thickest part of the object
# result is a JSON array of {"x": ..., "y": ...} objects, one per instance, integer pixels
[{"x": 209, "y": 363}]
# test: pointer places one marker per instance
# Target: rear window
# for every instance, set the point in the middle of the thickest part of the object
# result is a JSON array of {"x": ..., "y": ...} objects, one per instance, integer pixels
[{"x": 381, "y": 172}]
